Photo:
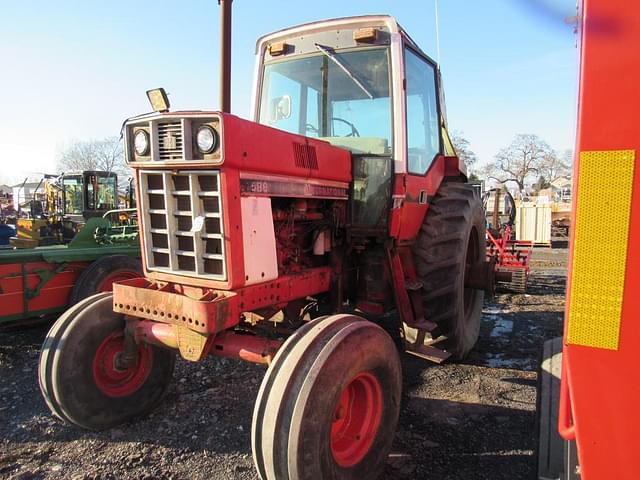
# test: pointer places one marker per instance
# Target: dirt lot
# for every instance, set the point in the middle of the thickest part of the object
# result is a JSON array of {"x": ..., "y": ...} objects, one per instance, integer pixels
[{"x": 472, "y": 420}]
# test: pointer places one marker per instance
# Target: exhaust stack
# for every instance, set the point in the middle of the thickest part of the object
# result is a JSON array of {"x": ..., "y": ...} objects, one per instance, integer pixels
[{"x": 225, "y": 55}]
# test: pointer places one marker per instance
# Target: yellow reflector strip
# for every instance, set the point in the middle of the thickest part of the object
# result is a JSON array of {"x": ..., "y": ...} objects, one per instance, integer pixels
[{"x": 601, "y": 235}]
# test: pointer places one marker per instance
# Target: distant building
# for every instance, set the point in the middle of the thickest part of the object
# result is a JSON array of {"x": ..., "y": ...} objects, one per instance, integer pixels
[
  {"x": 6, "y": 191},
  {"x": 562, "y": 189},
  {"x": 24, "y": 193}
]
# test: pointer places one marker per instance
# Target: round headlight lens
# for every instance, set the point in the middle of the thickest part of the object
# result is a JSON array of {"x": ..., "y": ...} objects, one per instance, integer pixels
[
  {"x": 141, "y": 142},
  {"x": 207, "y": 139}
]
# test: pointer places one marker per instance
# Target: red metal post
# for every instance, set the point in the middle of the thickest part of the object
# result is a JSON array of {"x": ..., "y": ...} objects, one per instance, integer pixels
[{"x": 601, "y": 377}]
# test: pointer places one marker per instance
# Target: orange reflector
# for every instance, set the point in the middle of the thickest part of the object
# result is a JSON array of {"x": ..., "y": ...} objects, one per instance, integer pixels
[
  {"x": 368, "y": 34},
  {"x": 279, "y": 48}
]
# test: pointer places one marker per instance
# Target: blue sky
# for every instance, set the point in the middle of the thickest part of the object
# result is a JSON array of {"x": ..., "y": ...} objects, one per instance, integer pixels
[{"x": 74, "y": 70}]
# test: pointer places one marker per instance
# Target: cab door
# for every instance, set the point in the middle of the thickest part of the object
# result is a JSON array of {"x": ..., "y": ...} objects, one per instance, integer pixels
[{"x": 424, "y": 150}]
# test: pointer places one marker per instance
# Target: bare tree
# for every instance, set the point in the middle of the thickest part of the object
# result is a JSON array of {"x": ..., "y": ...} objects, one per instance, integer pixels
[
  {"x": 553, "y": 166},
  {"x": 520, "y": 161},
  {"x": 463, "y": 149},
  {"x": 106, "y": 154}
]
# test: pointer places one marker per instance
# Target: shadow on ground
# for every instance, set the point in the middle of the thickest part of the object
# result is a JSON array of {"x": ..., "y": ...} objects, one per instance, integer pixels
[{"x": 469, "y": 420}]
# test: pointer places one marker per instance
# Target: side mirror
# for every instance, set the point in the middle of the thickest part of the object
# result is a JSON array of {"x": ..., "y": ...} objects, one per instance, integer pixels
[{"x": 280, "y": 108}]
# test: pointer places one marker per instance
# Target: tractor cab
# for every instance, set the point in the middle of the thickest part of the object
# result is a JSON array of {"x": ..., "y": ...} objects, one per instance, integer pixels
[
  {"x": 88, "y": 194},
  {"x": 70, "y": 200},
  {"x": 361, "y": 84}
]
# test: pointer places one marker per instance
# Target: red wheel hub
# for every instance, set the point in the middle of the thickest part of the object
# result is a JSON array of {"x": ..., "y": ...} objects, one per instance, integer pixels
[
  {"x": 110, "y": 379},
  {"x": 356, "y": 419},
  {"x": 107, "y": 284}
]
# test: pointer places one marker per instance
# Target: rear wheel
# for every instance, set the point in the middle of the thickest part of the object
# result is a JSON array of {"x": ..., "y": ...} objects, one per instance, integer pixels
[
  {"x": 329, "y": 403},
  {"x": 101, "y": 274},
  {"x": 79, "y": 374},
  {"x": 450, "y": 242}
]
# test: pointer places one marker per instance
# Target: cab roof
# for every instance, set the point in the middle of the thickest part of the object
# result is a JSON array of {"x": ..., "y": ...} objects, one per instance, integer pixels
[{"x": 387, "y": 21}]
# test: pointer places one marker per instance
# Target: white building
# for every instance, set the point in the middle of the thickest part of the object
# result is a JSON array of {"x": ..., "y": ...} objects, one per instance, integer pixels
[{"x": 24, "y": 193}]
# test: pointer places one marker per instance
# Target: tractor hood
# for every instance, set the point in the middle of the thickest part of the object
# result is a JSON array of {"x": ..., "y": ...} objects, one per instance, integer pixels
[{"x": 172, "y": 141}]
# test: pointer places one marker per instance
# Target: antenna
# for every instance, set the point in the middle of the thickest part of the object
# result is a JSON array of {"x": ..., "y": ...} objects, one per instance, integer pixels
[{"x": 435, "y": 3}]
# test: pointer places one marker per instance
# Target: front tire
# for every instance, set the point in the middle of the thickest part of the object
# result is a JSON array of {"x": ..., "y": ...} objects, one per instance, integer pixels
[
  {"x": 78, "y": 373},
  {"x": 329, "y": 403},
  {"x": 452, "y": 239}
]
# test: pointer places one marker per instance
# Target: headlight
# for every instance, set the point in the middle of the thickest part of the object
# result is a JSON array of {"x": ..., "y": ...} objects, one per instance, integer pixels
[
  {"x": 141, "y": 142},
  {"x": 207, "y": 139}
]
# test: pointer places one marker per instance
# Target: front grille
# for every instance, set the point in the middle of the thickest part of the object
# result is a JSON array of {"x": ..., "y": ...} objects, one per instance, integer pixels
[
  {"x": 183, "y": 226},
  {"x": 170, "y": 141}
]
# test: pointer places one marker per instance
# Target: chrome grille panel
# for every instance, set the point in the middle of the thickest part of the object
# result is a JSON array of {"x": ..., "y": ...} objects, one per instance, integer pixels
[
  {"x": 170, "y": 141},
  {"x": 184, "y": 231}
]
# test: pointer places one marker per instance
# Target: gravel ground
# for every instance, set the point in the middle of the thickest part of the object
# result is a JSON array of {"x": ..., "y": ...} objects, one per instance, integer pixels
[{"x": 471, "y": 420}]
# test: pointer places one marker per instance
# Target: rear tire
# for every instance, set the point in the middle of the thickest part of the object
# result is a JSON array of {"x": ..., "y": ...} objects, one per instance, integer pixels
[
  {"x": 451, "y": 238},
  {"x": 329, "y": 403},
  {"x": 78, "y": 376},
  {"x": 100, "y": 275}
]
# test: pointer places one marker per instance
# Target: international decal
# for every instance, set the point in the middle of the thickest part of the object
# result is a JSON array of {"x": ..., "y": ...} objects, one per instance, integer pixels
[{"x": 283, "y": 188}]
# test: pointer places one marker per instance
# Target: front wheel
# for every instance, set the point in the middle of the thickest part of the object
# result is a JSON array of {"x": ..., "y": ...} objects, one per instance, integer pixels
[
  {"x": 329, "y": 403},
  {"x": 79, "y": 375}
]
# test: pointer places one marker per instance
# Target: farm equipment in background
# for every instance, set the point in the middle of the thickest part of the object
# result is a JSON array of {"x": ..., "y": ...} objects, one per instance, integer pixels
[
  {"x": 6, "y": 232},
  {"x": 40, "y": 282},
  {"x": 511, "y": 256},
  {"x": 69, "y": 201},
  {"x": 560, "y": 224},
  {"x": 130, "y": 194},
  {"x": 316, "y": 239}
]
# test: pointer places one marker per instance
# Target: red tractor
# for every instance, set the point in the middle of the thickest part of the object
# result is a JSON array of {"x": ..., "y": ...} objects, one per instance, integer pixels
[{"x": 317, "y": 239}]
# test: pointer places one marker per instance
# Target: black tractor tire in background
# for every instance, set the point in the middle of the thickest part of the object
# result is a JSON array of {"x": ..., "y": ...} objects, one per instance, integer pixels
[
  {"x": 100, "y": 275},
  {"x": 328, "y": 406},
  {"x": 452, "y": 238},
  {"x": 78, "y": 374}
]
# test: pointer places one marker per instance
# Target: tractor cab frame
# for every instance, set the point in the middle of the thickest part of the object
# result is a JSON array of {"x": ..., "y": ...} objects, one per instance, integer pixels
[{"x": 362, "y": 84}]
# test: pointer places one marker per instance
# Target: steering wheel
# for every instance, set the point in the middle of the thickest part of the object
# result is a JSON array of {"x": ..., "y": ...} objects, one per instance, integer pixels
[
  {"x": 310, "y": 128},
  {"x": 354, "y": 130}
]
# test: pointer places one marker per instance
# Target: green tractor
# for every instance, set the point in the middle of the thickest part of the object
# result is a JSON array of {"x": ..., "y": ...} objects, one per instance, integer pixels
[
  {"x": 69, "y": 201},
  {"x": 96, "y": 245}
]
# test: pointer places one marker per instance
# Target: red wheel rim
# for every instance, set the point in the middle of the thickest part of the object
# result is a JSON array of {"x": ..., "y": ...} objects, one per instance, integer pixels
[
  {"x": 106, "y": 285},
  {"x": 356, "y": 419},
  {"x": 116, "y": 382}
]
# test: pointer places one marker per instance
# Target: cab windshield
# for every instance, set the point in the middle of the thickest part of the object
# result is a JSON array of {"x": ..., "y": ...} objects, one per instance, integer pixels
[
  {"x": 72, "y": 195},
  {"x": 102, "y": 193},
  {"x": 341, "y": 97}
]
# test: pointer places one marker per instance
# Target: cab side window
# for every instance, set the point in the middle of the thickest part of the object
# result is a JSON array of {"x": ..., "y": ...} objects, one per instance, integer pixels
[{"x": 423, "y": 133}]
